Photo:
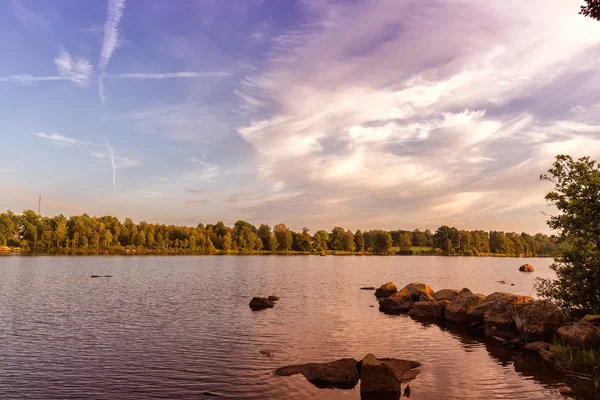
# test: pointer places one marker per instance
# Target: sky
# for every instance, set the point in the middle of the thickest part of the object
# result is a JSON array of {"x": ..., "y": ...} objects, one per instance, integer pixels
[{"x": 357, "y": 113}]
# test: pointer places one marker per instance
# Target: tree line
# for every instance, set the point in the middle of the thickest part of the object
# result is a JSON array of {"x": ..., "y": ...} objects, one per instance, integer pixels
[{"x": 34, "y": 233}]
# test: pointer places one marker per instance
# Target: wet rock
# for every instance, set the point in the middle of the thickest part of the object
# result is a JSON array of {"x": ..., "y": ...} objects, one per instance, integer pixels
[
  {"x": 538, "y": 320},
  {"x": 537, "y": 346},
  {"x": 260, "y": 303},
  {"x": 341, "y": 374},
  {"x": 378, "y": 377},
  {"x": 368, "y": 288},
  {"x": 526, "y": 268},
  {"x": 398, "y": 302},
  {"x": 457, "y": 310},
  {"x": 581, "y": 335},
  {"x": 420, "y": 291},
  {"x": 208, "y": 394},
  {"x": 446, "y": 294},
  {"x": 477, "y": 313},
  {"x": 386, "y": 290},
  {"x": 405, "y": 370},
  {"x": 546, "y": 354},
  {"x": 499, "y": 321},
  {"x": 565, "y": 390},
  {"x": 96, "y": 276},
  {"x": 429, "y": 310},
  {"x": 502, "y": 282},
  {"x": 273, "y": 298},
  {"x": 592, "y": 319}
]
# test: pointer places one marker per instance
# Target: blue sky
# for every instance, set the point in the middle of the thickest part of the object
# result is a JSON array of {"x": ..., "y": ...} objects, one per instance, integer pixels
[{"x": 362, "y": 114}]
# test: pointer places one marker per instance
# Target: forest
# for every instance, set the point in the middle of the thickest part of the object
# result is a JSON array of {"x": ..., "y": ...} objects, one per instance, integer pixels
[{"x": 30, "y": 232}]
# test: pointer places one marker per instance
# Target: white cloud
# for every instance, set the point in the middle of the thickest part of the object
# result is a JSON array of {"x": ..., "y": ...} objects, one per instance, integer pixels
[
  {"x": 111, "y": 39},
  {"x": 74, "y": 70},
  {"x": 383, "y": 125},
  {"x": 30, "y": 18},
  {"x": 171, "y": 75},
  {"x": 55, "y": 137}
]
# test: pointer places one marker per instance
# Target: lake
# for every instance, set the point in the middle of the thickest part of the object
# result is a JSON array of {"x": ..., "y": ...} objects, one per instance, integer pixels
[{"x": 176, "y": 327}]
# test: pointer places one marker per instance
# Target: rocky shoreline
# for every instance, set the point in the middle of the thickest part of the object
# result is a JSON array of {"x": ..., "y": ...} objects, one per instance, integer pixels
[{"x": 509, "y": 318}]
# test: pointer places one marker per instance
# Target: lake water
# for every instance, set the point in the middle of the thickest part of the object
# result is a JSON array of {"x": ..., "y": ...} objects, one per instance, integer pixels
[{"x": 175, "y": 327}]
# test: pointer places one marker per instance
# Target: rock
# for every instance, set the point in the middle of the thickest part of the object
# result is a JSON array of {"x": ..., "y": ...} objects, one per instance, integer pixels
[
  {"x": 564, "y": 390},
  {"x": 260, "y": 303},
  {"x": 526, "y": 268},
  {"x": 499, "y": 321},
  {"x": 368, "y": 288},
  {"x": 273, "y": 298},
  {"x": 429, "y": 310},
  {"x": 96, "y": 276},
  {"x": 502, "y": 282},
  {"x": 407, "y": 391},
  {"x": 405, "y": 370},
  {"x": 420, "y": 291},
  {"x": 377, "y": 377},
  {"x": 538, "y": 320},
  {"x": 398, "y": 302},
  {"x": 446, "y": 294},
  {"x": 209, "y": 394},
  {"x": 386, "y": 290},
  {"x": 592, "y": 319},
  {"x": 341, "y": 374},
  {"x": 478, "y": 313},
  {"x": 537, "y": 346},
  {"x": 457, "y": 310},
  {"x": 546, "y": 354},
  {"x": 581, "y": 335}
]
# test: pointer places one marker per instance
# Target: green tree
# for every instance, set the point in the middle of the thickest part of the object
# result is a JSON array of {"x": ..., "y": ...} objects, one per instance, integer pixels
[
  {"x": 419, "y": 238},
  {"x": 284, "y": 237},
  {"x": 382, "y": 241},
  {"x": 337, "y": 238},
  {"x": 576, "y": 195},
  {"x": 404, "y": 241},
  {"x": 359, "y": 241},
  {"x": 348, "y": 241},
  {"x": 320, "y": 240}
]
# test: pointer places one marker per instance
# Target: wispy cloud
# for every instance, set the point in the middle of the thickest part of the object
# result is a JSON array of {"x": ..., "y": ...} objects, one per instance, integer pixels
[
  {"x": 55, "y": 137},
  {"x": 170, "y": 75},
  {"x": 30, "y": 18},
  {"x": 195, "y": 191},
  {"x": 111, "y": 38},
  {"x": 111, "y": 155},
  {"x": 69, "y": 69}
]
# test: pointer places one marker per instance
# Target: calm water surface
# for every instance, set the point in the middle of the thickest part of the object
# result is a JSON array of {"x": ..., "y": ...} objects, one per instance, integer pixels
[{"x": 175, "y": 327}]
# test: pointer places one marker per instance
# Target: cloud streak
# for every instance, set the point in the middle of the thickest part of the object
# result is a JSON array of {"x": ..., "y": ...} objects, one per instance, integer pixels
[
  {"x": 113, "y": 164},
  {"x": 171, "y": 75},
  {"x": 111, "y": 38}
]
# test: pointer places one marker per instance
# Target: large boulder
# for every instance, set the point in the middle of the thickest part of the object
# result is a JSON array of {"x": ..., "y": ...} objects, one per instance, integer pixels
[
  {"x": 429, "y": 310},
  {"x": 420, "y": 291},
  {"x": 538, "y": 320},
  {"x": 582, "y": 335},
  {"x": 499, "y": 321},
  {"x": 260, "y": 303},
  {"x": 592, "y": 319},
  {"x": 386, "y": 290},
  {"x": 457, "y": 310},
  {"x": 526, "y": 268},
  {"x": 341, "y": 374},
  {"x": 476, "y": 314},
  {"x": 398, "y": 302},
  {"x": 446, "y": 294},
  {"x": 377, "y": 377}
]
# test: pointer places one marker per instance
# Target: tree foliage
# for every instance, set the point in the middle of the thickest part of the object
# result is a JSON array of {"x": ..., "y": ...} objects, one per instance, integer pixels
[
  {"x": 576, "y": 195},
  {"x": 591, "y": 9}
]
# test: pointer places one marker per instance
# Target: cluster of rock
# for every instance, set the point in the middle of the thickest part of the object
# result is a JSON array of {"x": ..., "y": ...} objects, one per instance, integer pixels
[
  {"x": 526, "y": 268},
  {"x": 383, "y": 376},
  {"x": 260, "y": 303},
  {"x": 505, "y": 316}
]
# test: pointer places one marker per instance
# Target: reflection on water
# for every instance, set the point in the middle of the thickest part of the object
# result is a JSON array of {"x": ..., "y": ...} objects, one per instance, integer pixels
[{"x": 176, "y": 327}]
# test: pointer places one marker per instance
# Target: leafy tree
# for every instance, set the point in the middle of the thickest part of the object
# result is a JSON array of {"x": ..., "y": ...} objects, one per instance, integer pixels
[
  {"x": 419, "y": 238},
  {"x": 320, "y": 240},
  {"x": 382, "y": 241},
  {"x": 337, "y": 238},
  {"x": 359, "y": 241},
  {"x": 404, "y": 241},
  {"x": 348, "y": 241},
  {"x": 284, "y": 237},
  {"x": 591, "y": 9},
  {"x": 576, "y": 195}
]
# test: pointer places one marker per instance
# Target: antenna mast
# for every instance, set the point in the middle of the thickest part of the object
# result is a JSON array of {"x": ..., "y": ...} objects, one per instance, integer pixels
[{"x": 39, "y": 203}]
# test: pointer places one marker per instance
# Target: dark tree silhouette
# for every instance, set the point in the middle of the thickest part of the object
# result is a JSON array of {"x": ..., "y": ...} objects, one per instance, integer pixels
[{"x": 591, "y": 9}]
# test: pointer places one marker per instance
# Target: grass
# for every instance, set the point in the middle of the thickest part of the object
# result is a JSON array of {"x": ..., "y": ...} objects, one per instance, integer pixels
[{"x": 570, "y": 358}]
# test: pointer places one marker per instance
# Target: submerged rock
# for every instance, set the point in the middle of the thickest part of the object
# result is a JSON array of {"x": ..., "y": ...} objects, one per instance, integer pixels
[
  {"x": 398, "y": 302},
  {"x": 538, "y": 320},
  {"x": 581, "y": 335},
  {"x": 386, "y": 290},
  {"x": 273, "y": 298},
  {"x": 341, "y": 374},
  {"x": 537, "y": 346},
  {"x": 457, "y": 310},
  {"x": 378, "y": 377},
  {"x": 446, "y": 294},
  {"x": 526, "y": 268},
  {"x": 429, "y": 310},
  {"x": 368, "y": 288},
  {"x": 260, "y": 303},
  {"x": 419, "y": 291}
]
